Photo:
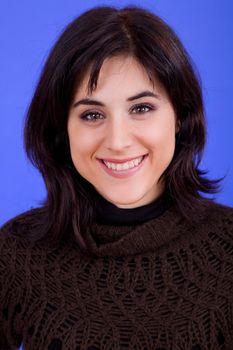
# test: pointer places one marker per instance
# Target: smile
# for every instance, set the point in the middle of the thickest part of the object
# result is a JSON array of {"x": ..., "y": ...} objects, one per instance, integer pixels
[
  {"x": 123, "y": 166},
  {"x": 122, "y": 169}
]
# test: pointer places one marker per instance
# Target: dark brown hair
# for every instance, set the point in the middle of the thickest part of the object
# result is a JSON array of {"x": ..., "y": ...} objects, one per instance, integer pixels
[{"x": 91, "y": 38}]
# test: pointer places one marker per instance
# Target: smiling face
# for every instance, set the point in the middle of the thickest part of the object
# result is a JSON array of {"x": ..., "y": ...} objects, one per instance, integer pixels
[{"x": 122, "y": 136}]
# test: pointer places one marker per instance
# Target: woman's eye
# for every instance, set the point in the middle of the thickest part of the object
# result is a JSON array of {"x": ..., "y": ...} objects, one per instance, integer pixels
[
  {"x": 92, "y": 116},
  {"x": 142, "y": 108}
]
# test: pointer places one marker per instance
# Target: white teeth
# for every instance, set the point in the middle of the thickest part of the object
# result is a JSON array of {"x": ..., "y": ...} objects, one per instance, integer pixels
[{"x": 124, "y": 166}]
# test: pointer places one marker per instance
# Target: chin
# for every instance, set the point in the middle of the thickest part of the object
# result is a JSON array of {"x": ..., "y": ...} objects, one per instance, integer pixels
[
  {"x": 132, "y": 198},
  {"x": 129, "y": 202}
]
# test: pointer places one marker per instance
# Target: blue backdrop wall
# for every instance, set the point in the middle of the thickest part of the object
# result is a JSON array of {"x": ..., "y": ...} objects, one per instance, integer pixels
[{"x": 29, "y": 28}]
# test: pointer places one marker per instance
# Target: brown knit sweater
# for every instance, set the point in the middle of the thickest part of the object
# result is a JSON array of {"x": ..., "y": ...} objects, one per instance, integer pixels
[{"x": 166, "y": 284}]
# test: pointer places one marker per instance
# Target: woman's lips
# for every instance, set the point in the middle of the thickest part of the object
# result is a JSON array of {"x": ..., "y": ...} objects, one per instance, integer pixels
[{"x": 122, "y": 173}]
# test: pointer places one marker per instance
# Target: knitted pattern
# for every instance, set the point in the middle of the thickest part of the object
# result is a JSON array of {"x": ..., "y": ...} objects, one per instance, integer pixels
[{"x": 166, "y": 284}]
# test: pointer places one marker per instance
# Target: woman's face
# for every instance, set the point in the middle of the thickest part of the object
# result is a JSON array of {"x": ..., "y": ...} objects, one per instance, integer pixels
[{"x": 122, "y": 136}]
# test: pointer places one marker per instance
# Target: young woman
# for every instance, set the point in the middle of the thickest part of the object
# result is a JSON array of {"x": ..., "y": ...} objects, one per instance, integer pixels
[{"x": 125, "y": 253}]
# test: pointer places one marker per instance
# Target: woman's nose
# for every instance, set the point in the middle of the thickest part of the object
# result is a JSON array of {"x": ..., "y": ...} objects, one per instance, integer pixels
[{"x": 118, "y": 135}]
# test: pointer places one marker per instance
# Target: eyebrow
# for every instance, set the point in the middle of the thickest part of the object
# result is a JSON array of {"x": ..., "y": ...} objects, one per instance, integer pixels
[{"x": 88, "y": 101}]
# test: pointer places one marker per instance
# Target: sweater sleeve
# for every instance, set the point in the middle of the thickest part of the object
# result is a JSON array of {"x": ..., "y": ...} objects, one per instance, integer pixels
[{"x": 11, "y": 290}]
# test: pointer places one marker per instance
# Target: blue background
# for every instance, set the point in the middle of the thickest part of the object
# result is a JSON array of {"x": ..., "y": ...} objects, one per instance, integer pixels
[{"x": 29, "y": 28}]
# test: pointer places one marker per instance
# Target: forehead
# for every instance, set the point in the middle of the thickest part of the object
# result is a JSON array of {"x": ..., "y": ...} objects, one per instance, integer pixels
[{"x": 118, "y": 73}]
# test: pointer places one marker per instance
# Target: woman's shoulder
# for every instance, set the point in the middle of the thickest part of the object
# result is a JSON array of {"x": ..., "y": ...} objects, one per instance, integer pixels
[
  {"x": 217, "y": 227},
  {"x": 16, "y": 247},
  {"x": 220, "y": 213},
  {"x": 212, "y": 223},
  {"x": 22, "y": 247},
  {"x": 21, "y": 222},
  {"x": 29, "y": 234},
  {"x": 214, "y": 217},
  {"x": 19, "y": 232}
]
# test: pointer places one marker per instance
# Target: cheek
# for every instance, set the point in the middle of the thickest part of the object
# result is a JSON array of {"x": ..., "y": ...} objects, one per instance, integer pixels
[
  {"x": 82, "y": 143},
  {"x": 160, "y": 137}
]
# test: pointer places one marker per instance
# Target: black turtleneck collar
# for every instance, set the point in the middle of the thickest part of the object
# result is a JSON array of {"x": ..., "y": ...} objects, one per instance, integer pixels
[{"x": 109, "y": 214}]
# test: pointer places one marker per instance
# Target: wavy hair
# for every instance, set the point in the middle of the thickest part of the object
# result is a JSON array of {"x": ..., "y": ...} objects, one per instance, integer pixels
[{"x": 85, "y": 43}]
